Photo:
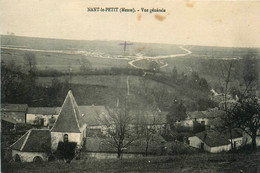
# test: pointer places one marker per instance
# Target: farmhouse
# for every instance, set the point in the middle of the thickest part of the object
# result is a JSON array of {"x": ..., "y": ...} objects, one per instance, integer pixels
[
  {"x": 34, "y": 145},
  {"x": 69, "y": 124},
  {"x": 14, "y": 112},
  {"x": 209, "y": 118},
  {"x": 211, "y": 141}
]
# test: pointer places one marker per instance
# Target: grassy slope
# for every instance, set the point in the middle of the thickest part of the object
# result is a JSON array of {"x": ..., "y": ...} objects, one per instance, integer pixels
[{"x": 203, "y": 163}]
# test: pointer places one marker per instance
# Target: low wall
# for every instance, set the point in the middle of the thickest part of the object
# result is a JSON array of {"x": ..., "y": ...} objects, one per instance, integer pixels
[{"x": 99, "y": 155}]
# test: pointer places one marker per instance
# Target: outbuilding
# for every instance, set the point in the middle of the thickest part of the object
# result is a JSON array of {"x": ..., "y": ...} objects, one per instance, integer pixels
[{"x": 33, "y": 146}]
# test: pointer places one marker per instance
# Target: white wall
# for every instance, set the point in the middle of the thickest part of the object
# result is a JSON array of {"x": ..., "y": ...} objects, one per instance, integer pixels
[
  {"x": 31, "y": 117},
  {"x": 29, "y": 156},
  {"x": 195, "y": 142},
  {"x": 220, "y": 148}
]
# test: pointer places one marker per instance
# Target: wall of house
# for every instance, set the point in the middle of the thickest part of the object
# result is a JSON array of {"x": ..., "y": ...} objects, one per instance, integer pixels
[
  {"x": 29, "y": 156},
  {"x": 239, "y": 141},
  {"x": 194, "y": 141},
  {"x": 220, "y": 148},
  {"x": 185, "y": 123},
  {"x": 31, "y": 117},
  {"x": 57, "y": 137}
]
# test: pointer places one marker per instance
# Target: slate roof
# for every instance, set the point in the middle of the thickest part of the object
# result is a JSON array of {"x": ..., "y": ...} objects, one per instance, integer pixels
[
  {"x": 14, "y": 107},
  {"x": 34, "y": 140},
  {"x": 43, "y": 110},
  {"x": 213, "y": 138},
  {"x": 69, "y": 118}
]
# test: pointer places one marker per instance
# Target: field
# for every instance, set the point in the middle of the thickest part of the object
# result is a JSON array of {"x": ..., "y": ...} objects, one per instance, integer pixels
[{"x": 194, "y": 163}]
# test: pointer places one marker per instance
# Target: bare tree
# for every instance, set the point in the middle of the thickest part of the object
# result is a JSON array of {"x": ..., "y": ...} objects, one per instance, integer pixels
[
  {"x": 30, "y": 61},
  {"x": 120, "y": 128},
  {"x": 246, "y": 116}
]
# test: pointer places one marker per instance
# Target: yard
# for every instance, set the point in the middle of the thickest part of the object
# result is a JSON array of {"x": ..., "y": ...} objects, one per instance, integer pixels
[{"x": 203, "y": 162}]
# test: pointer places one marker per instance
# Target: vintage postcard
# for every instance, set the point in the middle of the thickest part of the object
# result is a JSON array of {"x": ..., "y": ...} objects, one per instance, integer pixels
[{"x": 130, "y": 86}]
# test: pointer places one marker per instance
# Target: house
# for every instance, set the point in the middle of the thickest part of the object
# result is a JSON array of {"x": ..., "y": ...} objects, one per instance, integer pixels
[
  {"x": 41, "y": 115},
  {"x": 14, "y": 112},
  {"x": 210, "y": 117},
  {"x": 211, "y": 141},
  {"x": 69, "y": 125},
  {"x": 34, "y": 145}
]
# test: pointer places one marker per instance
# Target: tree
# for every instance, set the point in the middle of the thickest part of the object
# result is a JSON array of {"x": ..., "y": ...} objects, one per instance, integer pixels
[
  {"x": 119, "y": 124},
  {"x": 30, "y": 62},
  {"x": 177, "y": 112},
  {"x": 246, "y": 116},
  {"x": 174, "y": 74},
  {"x": 85, "y": 65}
]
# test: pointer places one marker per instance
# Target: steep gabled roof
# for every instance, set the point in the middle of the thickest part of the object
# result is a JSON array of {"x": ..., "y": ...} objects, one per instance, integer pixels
[
  {"x": 35, "y": 140},
  {"x": 69, "y": 118}
]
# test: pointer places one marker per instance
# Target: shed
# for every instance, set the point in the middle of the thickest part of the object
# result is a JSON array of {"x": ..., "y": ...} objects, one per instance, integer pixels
[{"x": 34, "y": 145}]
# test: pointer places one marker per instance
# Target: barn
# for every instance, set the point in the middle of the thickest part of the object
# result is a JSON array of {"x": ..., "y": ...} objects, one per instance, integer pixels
[{"x": 34, "y": 145}]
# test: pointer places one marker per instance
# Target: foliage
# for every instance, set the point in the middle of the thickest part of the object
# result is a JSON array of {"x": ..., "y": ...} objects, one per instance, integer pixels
[{"x": 247, "y": 117}]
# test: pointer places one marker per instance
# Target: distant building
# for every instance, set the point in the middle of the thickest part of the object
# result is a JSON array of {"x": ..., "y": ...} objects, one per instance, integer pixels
[
  {"x": 35, "y": 145},
  {"x": 210, "y": 117},
  {"x": 14, "y": 112}
]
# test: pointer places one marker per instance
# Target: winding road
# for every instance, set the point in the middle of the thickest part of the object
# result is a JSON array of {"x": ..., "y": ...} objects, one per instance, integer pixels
[{"x": 139, "y": 58}]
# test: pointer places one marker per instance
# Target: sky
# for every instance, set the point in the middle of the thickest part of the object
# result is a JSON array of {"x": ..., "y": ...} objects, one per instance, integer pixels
[{"x": 211, "y": 23}]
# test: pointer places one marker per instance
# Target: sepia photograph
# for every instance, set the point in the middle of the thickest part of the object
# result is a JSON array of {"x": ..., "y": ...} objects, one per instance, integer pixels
[{"x": 130, "y": 86}]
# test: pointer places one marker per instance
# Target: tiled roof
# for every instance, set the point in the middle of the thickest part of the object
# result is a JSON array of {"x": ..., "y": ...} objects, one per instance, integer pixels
[
  {"x": 212, "y": 138},
  {"x": 14, "y": 107},
  {"x": 43, "y": 110},
  {"x": 69, "y": 118},
  {"x": 35, "y": 140}
]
